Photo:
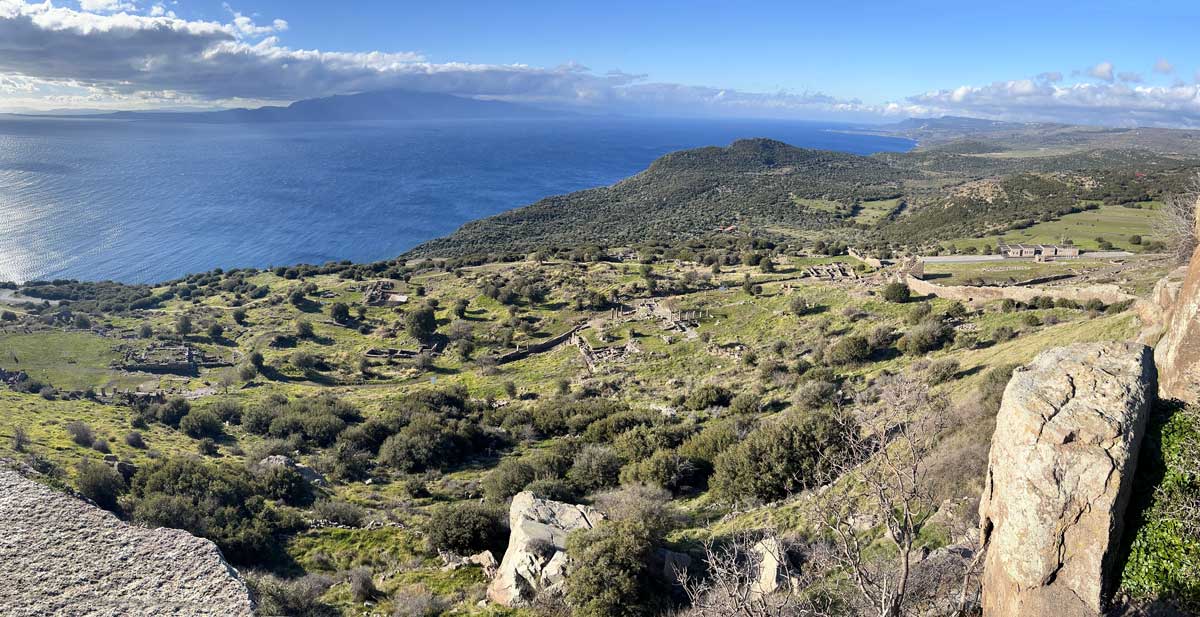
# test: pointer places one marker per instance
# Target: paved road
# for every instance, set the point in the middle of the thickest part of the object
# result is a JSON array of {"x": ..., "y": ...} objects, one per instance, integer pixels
[{"x": 963, "y": 259}]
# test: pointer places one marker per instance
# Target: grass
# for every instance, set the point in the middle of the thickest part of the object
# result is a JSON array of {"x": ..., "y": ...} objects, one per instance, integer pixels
[
  {"x": 871, "y": 212},
  {"x": 67, "y": 360},
  {"x": 1113, "y": 223}
]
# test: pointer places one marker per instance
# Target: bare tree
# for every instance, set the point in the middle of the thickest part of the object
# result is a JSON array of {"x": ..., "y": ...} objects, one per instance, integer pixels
[
  {"x": 1177, "y": 220},
  {"x": 738, "y": 581},
  {"x": 882, "y": 483}
]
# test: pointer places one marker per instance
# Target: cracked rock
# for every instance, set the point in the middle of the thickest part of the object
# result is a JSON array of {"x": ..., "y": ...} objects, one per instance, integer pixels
[
  {"x": 64, "y": 556},
  {"x": 1059, "y": 476}
]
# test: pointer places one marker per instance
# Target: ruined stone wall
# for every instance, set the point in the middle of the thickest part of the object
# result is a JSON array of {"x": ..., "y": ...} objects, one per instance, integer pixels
[
  {"x": 1178, "y": 351},
  {"x": 1108, "y": 294}
]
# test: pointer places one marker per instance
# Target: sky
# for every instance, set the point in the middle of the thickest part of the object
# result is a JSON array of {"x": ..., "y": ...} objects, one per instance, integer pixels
[{"x": 1118, "y": 63}]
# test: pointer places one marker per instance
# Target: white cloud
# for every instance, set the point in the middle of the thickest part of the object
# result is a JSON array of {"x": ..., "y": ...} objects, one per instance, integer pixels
[
  {"x": 106, "y": 6},
  {"x": 1130, "y": 77},
  {"x": 1115, "y": 104},
  {"x": 1103, "y": 70},
  {"x": 1051, "y": 76},
  {"x": 1163, "y": 67},
  {"x": 157, "y": 56}
]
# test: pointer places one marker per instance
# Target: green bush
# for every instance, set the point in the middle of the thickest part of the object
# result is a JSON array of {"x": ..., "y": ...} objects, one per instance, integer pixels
[
  {"x": 778, "y": 459},
  {"x": 595, "y": 468},
  {"x": 508, "y": 478},
  {"x": 466, "y": 528},
  {"x": 815, "y": 394},
  {"x": 611, "y": 576},
  {"x": 99, "y": 483},
  {"x": 848, "y": 350},
  {"x": 896, "y": 292},
  {"x": 200, "y": 423},
  {"x": 708, "y": 396}
]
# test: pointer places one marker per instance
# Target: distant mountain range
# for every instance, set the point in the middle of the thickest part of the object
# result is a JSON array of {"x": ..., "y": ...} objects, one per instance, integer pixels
[{"x": 367, "y": 106}]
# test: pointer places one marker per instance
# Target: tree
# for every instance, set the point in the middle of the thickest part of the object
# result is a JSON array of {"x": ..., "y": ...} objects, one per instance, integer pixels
[
  {"x": 882, "y": 476},
  {"x": 239, "y": 316},
  {"x": 731, "y": 585},
  {"x": 848, "y": 350},
  {"x": 421, "y": 324},
  {"x": 215, "y": 331},
  {"x": 145, "y": 331},
  {"x": 183, "y": 325},
  {"x": 304, "y": 329},
  {"x": 200, "y": 423},
  {"x": 340, "y": 312}
]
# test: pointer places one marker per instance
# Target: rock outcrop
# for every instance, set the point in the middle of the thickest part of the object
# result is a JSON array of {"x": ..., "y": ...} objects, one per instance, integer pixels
[
  {"x": 536, "y": 559},
  {"x": 1178, "y": 351},
  {"x": 63, "y": 556},
  {"x": 1059, "y": 476}
]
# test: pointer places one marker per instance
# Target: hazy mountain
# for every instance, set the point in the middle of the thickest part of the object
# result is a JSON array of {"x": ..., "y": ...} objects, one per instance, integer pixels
[{"x": 381, "y": 105}]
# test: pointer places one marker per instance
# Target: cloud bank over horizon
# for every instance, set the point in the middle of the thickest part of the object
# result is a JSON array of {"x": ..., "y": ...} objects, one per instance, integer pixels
[{"x": 131, "y": 54}]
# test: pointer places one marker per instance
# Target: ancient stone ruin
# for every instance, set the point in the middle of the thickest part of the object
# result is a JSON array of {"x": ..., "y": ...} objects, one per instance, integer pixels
[
  {"x": 63, "y": 556},
  {"x": 536, "y": 559},
  {"x": 833, "y": 271},
  {"x": 1059, "y": 478}
]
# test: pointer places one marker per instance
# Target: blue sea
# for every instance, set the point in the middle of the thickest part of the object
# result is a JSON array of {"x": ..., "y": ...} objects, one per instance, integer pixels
[{"x": 143, "y": 201}]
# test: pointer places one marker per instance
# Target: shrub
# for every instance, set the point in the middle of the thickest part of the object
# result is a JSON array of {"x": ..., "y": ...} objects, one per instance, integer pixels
[
  {"x": 171, "y": 411},
  {"x": 924, "y": 338},
  {"x": 815, "y": 394},
  {"x": 199, "y": 423},
  {"x": 133, "y": 439},
  {"x": 206, "y": 447},
  {"x": 416, "y": 601},
  {"x": 101, "y": 445},
  {"x": 555, "y": 489},
  {"x": 708, "y": 396},
  {"x": 340, "y": 312},
  {"x": 466, "y": 528},
  {"x": 745, "y": 403},
  {"x": 340, "y": 512},
  {"x": 596, "y": 467},
  {"x": 285, "y": 484},
  {"x": 99, "y": 483},
  {"x": 81, "y": 433},
  {"x": 215, "y": 331},
  {"x": 1003, "y": 333},
  {"x": 664, "y": 468},
  {"x": 941, "y": 371},
  {"x": 896, "y": 292},
  {"x": 507, "y": 479},
  {"x": 304, "y": 329},
  {"x": 778, "y": 459},
  {"x": 611, "y": 577},
  {"x": 848, "y": 350},
  {"x": 299, "y": 597},
  {"x": 362, "y": 586},
  {"x": 228, "y": 410},
  {"x": 20, "y": 439}
]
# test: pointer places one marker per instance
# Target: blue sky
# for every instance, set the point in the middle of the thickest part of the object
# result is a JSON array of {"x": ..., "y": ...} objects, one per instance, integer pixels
[{"x": 1105, "y": 62}]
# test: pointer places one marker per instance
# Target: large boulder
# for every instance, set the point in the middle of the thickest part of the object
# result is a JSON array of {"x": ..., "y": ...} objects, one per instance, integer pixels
[
  {"x": 1059, "y": 476},
  {"x": 1178, "y": 351},
  {"x": 64, "y": 556},
  {"x": 536, "y": 559}
]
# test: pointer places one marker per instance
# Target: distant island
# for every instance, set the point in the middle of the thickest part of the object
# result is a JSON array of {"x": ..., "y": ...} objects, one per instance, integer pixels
[{"x": 366, "y": 106}]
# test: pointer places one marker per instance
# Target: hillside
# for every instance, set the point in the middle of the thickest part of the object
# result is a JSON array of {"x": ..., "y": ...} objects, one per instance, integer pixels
[{"x": 782, "y": 193}]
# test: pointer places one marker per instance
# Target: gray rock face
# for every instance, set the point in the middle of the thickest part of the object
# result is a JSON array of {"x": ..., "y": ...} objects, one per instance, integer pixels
[
  {"x": 62, "y": 556},
  {"x": 536, "y": 559},
  {"x": 1059, "y": 475}
]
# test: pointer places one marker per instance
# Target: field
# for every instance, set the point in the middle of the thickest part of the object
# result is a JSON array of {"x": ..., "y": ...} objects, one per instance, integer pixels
[{"x": 1116, "y": 224}]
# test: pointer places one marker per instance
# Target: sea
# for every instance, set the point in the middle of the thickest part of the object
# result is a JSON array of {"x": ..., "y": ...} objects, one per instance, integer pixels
[{"x": 141, "y": 201}]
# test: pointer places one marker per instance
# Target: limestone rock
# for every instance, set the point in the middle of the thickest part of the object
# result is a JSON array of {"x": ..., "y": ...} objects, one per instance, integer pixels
[
  {"x": 1059, "y": 476},
  {"x": 536, "y": 558},
  {"x": 308, "y": 473},
  {"x": 1178, "y": 351},
  {"x": 63, "y": 556}
]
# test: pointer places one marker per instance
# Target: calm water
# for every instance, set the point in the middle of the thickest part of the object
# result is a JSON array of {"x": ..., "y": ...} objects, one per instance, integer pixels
[{"x": 141, "y": 202}]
